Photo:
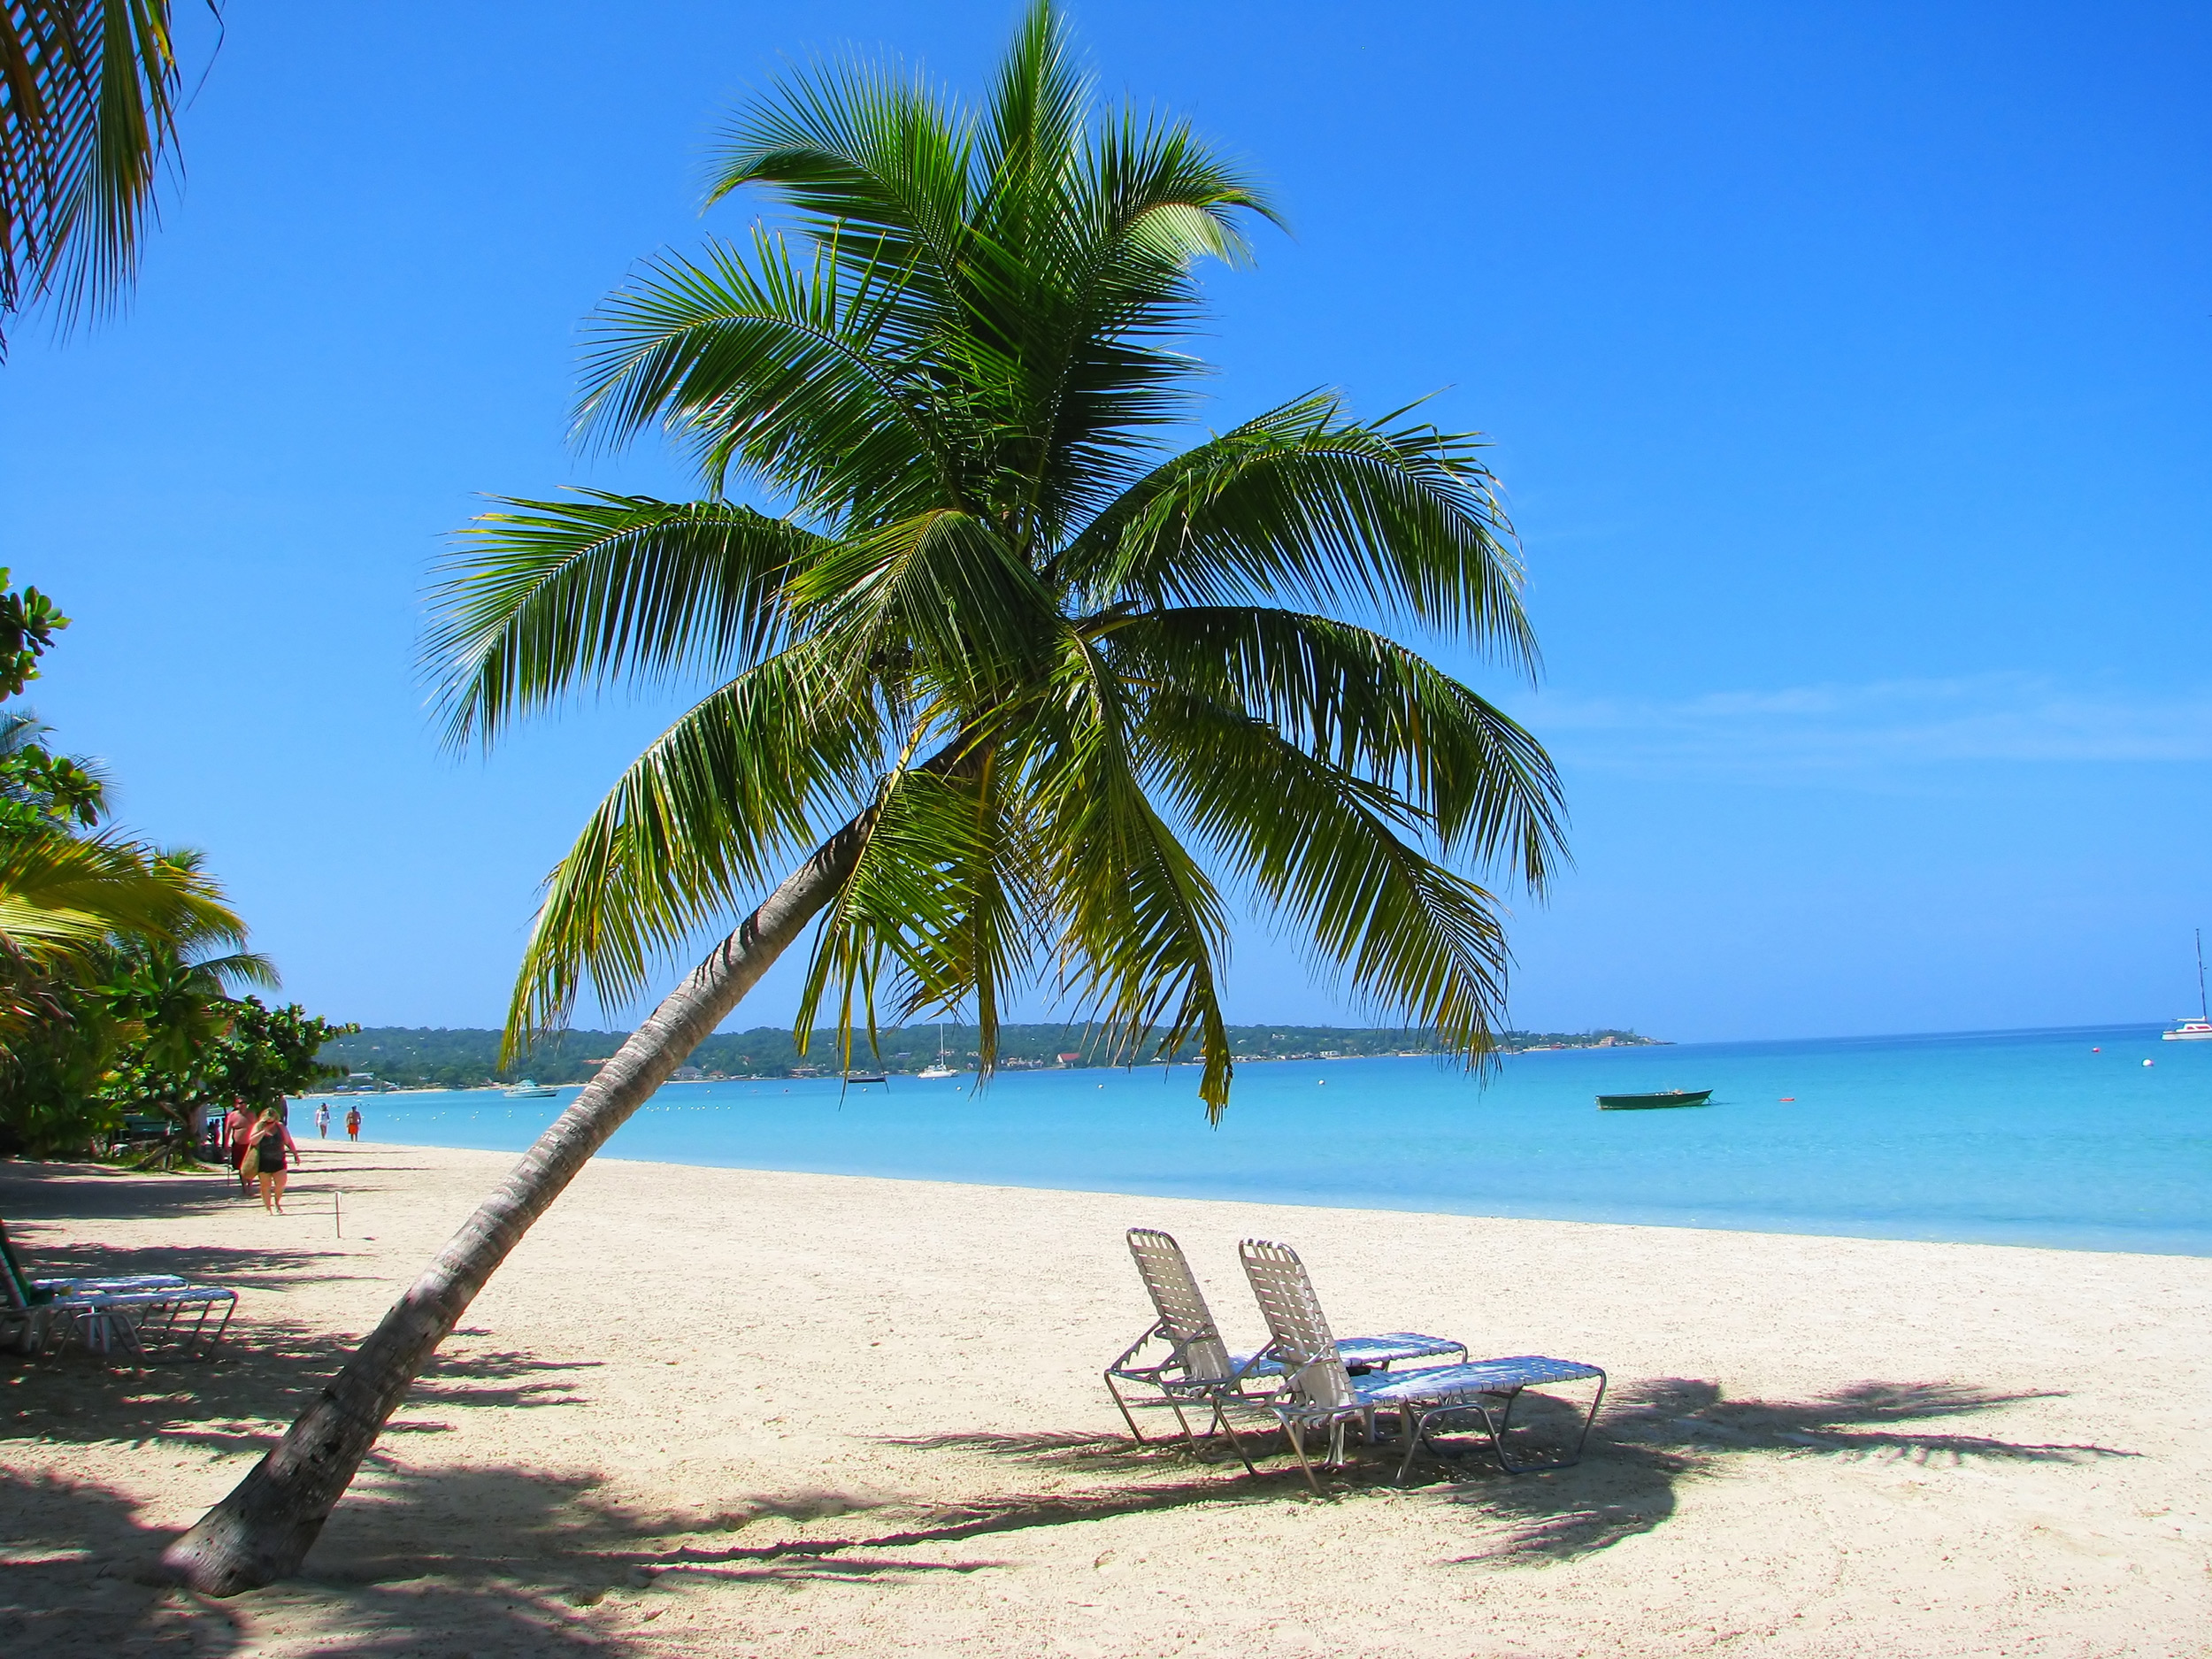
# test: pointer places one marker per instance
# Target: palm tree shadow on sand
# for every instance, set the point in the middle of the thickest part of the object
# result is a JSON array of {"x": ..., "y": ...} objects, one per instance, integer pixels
[
  {"x": 497, "y": 1560},
  {"x": 1651, "y": 1440},
  {"x": 403, "y": 1574},
  {"x": 1659, "y": 1435}
]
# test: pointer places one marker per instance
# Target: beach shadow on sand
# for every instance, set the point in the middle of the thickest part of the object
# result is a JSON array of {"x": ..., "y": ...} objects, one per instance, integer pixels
[
  {"x": 1651, "y": 1440},
  {"x": 471, "y": 1561},
  {"x": 484, "y": 1561},
  {"x": 1661, "y": 1435},
  {"x": 510, "y": 1561}
]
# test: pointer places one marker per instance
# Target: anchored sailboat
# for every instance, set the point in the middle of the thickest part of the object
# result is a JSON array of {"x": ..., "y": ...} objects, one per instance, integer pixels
[
  {"x": 2200, "y": 1029},
  {"x": 941, "y": 1069}
]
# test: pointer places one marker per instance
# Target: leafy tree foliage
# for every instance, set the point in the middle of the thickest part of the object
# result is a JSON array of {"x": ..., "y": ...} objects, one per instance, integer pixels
[
  {"x": 119, "y": 960},
  {"x": 258, "y": 1056},
  {"x": 28, "y": 622}
]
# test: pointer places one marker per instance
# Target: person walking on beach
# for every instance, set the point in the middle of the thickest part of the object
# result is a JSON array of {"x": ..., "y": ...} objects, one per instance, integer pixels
[
  {"x": 353, "y": 1122},
  {"x": 271, "y": 1141},
  {"x": 322, "y": 1118},
  {"x": 238, "y": 1135}
]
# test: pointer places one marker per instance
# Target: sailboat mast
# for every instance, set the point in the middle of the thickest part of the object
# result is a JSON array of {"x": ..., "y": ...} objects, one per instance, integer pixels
[{"x": 2202, "y": 1013}]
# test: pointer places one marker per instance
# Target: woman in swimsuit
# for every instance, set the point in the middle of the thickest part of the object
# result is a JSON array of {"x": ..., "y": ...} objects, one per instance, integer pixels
[{"x": 271, "y": 1141}]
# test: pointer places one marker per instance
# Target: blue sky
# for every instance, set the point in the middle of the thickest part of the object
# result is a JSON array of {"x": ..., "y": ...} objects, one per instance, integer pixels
[{"x": 1846, "y": 367}]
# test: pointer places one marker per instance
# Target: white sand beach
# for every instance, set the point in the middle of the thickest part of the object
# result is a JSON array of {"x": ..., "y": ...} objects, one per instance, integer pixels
[{"x": 727, "y": 1412}]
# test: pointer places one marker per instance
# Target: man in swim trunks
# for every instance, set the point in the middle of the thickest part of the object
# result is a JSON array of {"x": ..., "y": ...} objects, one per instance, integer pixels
[{"x": 238, "y": 1135}]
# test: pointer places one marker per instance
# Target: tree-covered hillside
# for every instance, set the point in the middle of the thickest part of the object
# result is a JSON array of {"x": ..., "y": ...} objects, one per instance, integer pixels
[{"x": 463, "y": 1059}]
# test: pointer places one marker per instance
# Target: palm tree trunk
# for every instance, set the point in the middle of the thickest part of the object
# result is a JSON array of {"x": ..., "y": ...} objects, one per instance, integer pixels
[{"x": 263, "y": 1529}]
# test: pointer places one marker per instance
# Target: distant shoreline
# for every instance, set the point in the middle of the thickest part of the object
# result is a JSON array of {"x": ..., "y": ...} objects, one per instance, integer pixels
[
  {"x": 812, "y": 1076},
  {"x": 387, "y": 1059}
]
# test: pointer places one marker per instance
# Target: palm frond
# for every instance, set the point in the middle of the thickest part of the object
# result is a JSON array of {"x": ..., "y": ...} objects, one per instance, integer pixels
[
  {"x": 551, "y": 595},
  {"x": 238, "y": 968},
  {"x": 1143, "y": 930},
  {"x": 1370, "y": 706},
  {"x": 742, "y": 780},
  {"x": 1305, "y": 506},
  {"x": 88, "y": 115},
  {"x": 862, "y": 151},
  {"x": 804, "y": 377},
  {"x": 1327, "y": 852},
  {"x": 936, "y": 910},
  {"x": 1086, "y": 304},
  {"x": 939, "y": 596},
  {"x": 59, "y": 894}
]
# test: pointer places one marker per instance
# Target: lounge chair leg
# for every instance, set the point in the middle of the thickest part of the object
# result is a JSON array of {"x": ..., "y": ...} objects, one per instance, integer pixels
[
  {"x": 229, "y": 1308},
  {"x": 1190, "y": 1437},
  {"x": 1497, "y": 1435},
  {"x": 1236, "y": 1443},
  {"x": 1416, "y": 1425},
  {"x": 1134, "y": 1434},
  {"x": 1298, "y": 1445}
]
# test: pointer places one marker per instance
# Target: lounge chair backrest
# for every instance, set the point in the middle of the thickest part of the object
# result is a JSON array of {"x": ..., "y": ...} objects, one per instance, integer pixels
[
  {"x": 15, "y": 1286},
  {"x": 1296, "y": 1324},
  {"x": 1184, "y": 1318}
]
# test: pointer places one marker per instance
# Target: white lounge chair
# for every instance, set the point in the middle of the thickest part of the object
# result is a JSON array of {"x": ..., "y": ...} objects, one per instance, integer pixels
[
  {"x": 1198, "y": 1368},
  {"x": 1321, "y": 1393},
  {"x": 127, "y": 1281},
  {"x": 132, "y": 1313}
]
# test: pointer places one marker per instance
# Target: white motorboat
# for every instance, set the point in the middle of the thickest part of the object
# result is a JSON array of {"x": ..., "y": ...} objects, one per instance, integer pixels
[
  {"x": 528, "y": 1090},
  {"x": 2200, "y": 1029}
]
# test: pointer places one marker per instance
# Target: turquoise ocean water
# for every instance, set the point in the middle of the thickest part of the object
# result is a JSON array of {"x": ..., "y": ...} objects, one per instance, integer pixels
[{"x": 2060, "y": 1138}]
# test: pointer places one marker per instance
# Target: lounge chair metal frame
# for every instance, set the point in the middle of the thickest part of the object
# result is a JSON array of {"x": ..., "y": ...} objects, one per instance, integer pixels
[
  {"x": 1199, "y": 1368},
  {"x": 1323, "y": 1394},
  {"x": 132, "y": 1313}
]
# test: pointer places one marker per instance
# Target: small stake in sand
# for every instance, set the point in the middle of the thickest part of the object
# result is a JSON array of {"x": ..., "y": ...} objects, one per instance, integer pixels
[{"x": 337, "y": 1221}]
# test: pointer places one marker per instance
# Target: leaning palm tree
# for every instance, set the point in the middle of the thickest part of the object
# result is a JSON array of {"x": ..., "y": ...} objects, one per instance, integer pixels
[
  {"x": 87, "y": 110},
  {"x": 1018, "y": 694}
]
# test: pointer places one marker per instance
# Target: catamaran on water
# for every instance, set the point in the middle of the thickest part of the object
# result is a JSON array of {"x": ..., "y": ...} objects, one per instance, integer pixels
[
  {"x": 2200, "y": 1029},
  {"x": 941, "y": 1069}
]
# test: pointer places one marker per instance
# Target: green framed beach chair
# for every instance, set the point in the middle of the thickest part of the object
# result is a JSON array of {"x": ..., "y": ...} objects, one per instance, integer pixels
[
  {"x": 1320, "y": 1392},
  {"x": 134, "y": 1313},
  {"x": 61, "y": 1286},
  {"x": 1197, "y": 1367}
]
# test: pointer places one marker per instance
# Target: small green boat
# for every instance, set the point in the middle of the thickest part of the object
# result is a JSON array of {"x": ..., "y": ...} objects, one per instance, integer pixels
[{"x": 1645, "y": 1102}]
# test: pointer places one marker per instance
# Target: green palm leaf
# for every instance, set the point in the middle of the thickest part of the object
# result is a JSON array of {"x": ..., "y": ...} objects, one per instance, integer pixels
[
  {"x": 1327, "y": 852},
  {"x": 740, "y": 780},
  {"x": 1371, "y": 707},
  {"x": 1303, "y": 505},
  {"x": 560, "y": 594},
  {"x": 88, "y": 114}
]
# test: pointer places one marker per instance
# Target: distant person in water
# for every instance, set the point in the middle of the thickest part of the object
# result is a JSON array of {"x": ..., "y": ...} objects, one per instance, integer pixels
[
  {"x": 353, "y": 1122},
  {"x": 322, "y": 1118},
  {"x": 238, "y": 1135},
  {"x": 271, "y": 1141}
]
